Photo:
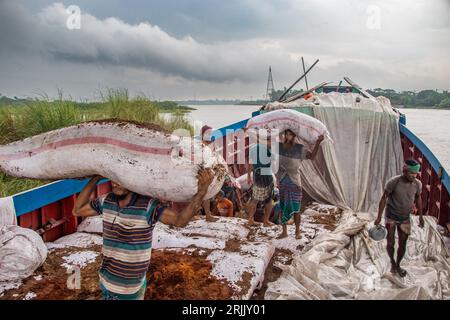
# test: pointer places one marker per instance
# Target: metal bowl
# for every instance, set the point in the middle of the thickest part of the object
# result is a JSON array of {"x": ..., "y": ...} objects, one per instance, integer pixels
[{"x": 378, "y": 233}]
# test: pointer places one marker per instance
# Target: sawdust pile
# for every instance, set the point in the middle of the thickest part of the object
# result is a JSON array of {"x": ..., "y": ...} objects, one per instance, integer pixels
[{"x": 175, "y": 276}]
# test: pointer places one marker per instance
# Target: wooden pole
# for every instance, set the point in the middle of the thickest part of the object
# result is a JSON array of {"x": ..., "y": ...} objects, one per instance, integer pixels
[
  {"x": 298, "y": 80},
  {"x": 306, "y": 79}
]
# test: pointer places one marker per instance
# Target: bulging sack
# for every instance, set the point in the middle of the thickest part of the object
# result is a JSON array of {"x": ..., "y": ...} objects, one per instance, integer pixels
[
  {"x": 142, "y": 158},
  {"x": 22, "y": 251},
  {"x": 307, "y": 129}
]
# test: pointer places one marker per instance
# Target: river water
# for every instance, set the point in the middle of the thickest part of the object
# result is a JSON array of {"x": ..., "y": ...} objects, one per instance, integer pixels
[{"x": 431, "y": 126}]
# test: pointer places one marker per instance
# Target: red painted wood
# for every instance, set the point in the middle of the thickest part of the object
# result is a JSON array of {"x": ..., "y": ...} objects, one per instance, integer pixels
[
  {"x": 36, "y": 219},
  {"x": 25, "y": 221},
  {"x": 435, "y": 197},
  {"x": 70, "y": 226},
  {"x": 30, "y": 220},
  {"x": 52, "y": 211},
  {"x": 444, "y": 217}
]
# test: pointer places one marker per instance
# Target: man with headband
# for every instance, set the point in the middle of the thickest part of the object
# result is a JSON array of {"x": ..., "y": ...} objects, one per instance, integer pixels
[{"x": 400, "y": 195}]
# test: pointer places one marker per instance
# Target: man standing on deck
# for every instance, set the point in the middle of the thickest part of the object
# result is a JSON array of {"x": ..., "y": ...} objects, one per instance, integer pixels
[
  {"x": 206, "y": 135},
  {"x": 288, "y": 178},
  {"x": 128, "y": 222},
  {"x": 401, "y": 193},
  {"x": 260, "y": 166}
]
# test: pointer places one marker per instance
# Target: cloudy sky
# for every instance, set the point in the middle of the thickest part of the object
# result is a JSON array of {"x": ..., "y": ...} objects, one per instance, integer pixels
[{"x": 179, "y": 49}]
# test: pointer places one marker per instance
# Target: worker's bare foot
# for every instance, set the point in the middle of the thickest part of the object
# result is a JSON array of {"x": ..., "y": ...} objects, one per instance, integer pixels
[
  {"x": 393, "y": 269},
  {"x": 298, "y": 235},
  {"x": 251, "y": 222},
  {"x": 401, "y": 272},
  {"x": 268, "y": 224},
  {"x": 282, "y": 235},
  {"x": 211, "y": 218}
]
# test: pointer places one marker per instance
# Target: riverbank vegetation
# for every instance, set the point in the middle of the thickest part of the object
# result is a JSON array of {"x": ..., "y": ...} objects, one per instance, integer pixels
[
  {"x": 404, "y": 99},
  {"x": 411, "y": 99},
  {"x": 22, "y": 118}
]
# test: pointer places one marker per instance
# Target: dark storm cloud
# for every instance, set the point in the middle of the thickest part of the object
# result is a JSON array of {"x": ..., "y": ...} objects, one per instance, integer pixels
[
  {"x": 220, "y": 48},
  {"x": 114, "y": 42}
]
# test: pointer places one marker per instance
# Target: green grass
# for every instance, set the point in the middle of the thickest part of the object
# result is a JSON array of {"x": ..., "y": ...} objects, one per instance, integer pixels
[{"x": 41, "y": 115}]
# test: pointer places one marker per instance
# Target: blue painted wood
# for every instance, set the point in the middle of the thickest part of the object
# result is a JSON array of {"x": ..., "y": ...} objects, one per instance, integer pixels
[
  {"x": 39, "y": 197},
  {"x": 221, "y": 132},
  {"x": 435, "y": 164}
]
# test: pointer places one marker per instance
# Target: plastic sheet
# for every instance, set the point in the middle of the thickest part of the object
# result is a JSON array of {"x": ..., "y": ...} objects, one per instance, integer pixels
[{"x": 347, "y": 264}]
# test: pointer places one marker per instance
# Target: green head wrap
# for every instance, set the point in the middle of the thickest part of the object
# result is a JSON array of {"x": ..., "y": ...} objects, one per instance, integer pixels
[{"x": 412, "y": 166}]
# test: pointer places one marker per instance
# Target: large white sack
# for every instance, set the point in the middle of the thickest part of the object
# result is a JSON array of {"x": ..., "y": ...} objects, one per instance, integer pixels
[
  {"x": 307, "y": 128},
  {"x": 7, "y": 212},
  {"x": 142, "y": 158},
  {"x": 22, "y": 251}
]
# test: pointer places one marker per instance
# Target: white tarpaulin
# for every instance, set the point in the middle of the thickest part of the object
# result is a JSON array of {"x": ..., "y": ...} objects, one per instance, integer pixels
[
  {"x": 351, "y": 172},
  {"x": 347, "y": 264}
]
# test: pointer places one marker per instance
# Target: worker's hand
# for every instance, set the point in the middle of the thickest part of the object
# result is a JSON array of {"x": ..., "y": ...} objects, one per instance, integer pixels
[
  {"x": 249, "y": 179},
  {"x": 90, "y": 178},
  {"x": 205, "y": 177},
  {"x": 421, "y": 222},
  {"x": 321, "y": 138},
  {"x": 377, "y": 221}
]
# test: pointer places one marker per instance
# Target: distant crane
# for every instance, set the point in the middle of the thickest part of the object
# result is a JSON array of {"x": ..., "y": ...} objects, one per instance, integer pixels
[{"x": 270, "y": 87}]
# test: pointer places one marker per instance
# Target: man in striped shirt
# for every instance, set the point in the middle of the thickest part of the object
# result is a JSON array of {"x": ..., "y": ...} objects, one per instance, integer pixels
[{"x": 128, "y": 222}]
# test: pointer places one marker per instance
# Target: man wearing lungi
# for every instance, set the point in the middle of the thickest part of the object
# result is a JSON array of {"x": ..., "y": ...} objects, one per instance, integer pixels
[
  {"x": 400, "y": 195},
  {"x": 288, "y": 178}
]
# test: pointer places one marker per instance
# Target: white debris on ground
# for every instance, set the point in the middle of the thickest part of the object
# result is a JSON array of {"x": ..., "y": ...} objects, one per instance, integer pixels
[
  {"x": 30, "y": 295},
  {"x": 323, "y": 208},
  {"x": 79, "y": 259},
  {"x": 244, "y": 269},
  {"x": 307, "y": 229},
  {"x": 9, "y": 285},
  {"x": 79, "y": 239},
  {"x": 38, "y": 277},
  {"x": 198, "y": 233}
]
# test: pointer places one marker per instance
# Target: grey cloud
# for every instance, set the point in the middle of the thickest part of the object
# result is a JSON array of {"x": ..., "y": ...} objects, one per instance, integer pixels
[{"x": 220, "y": 48}]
